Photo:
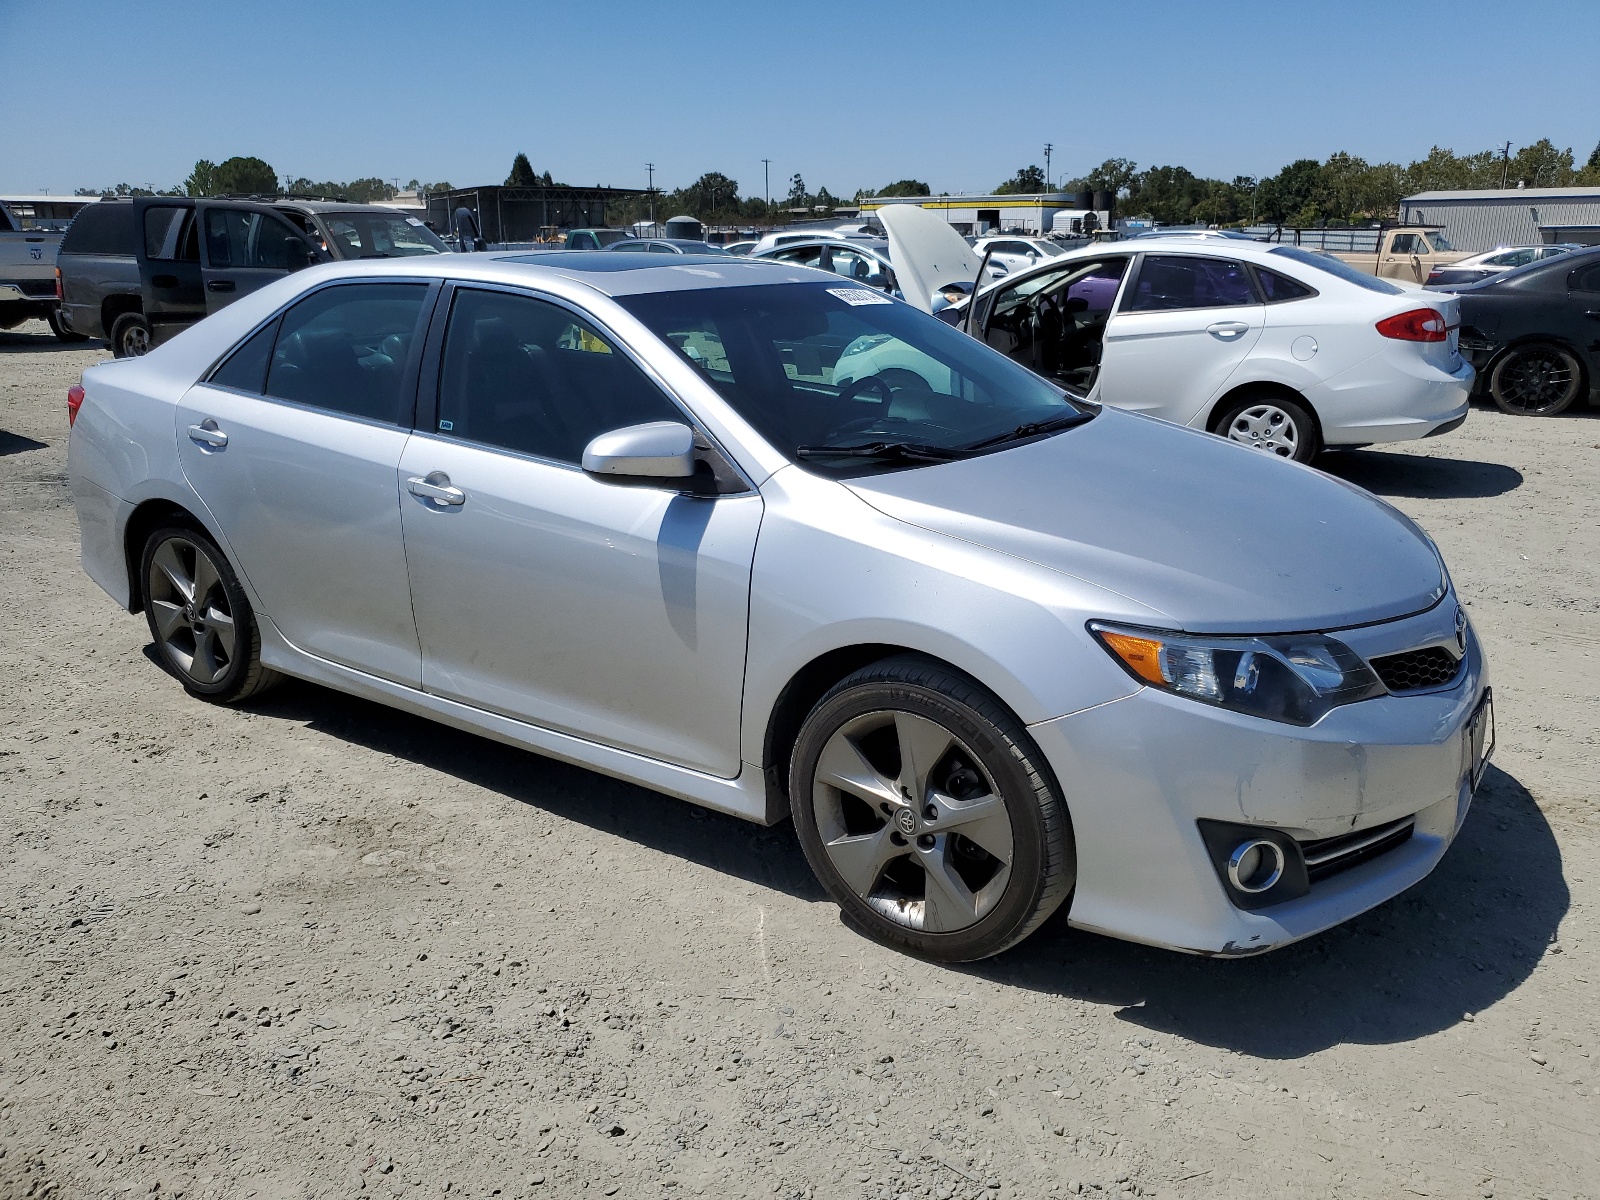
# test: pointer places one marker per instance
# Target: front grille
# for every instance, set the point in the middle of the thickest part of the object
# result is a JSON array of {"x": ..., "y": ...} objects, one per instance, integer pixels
[
  {"x": 1329, "y": 856},
  {"x": 1416, "y": 670}
]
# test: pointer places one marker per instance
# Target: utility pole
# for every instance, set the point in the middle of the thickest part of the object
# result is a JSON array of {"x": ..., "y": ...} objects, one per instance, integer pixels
[
  {"x": 1047, "y": 148},
  {"x": 1505, "y": 168},
  {"x": 766, "y": 185},
  {"x": 650, "y": 190}
]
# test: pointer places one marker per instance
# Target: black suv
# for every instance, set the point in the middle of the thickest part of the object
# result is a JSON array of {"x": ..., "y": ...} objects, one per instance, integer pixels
[{"x": 135, "y": 272}]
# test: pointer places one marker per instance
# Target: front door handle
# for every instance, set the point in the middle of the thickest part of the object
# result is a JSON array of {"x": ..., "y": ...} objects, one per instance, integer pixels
[
  {"x": 436, "y": 487},
  {"x": 219, "y": 285},
  {"x": 1593, "y": 314},
  {"x": 207, "y": 434},
  {"x": 1228, "y": 331}
]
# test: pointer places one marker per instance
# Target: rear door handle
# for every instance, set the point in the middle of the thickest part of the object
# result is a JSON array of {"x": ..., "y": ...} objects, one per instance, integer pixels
[
  {"x": 436, "y": 487},
  {"x": 207, "y": 434},
  {"x": 1228, "y": 331},
  {"x": 1593, "y": 314},
  {"x": 219, "y": 285}
]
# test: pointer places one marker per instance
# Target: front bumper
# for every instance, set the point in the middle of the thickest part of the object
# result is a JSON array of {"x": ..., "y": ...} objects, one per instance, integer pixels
[{"x": 1141, "y": 771}]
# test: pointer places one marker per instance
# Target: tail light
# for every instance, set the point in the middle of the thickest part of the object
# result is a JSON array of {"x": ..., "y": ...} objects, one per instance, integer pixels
[
  {"x": 1434, "y": 274},
  {"x": 74, "y": 403},
  {"x": 1418, "y": 325},
  {"x": 60, "y": 295}
]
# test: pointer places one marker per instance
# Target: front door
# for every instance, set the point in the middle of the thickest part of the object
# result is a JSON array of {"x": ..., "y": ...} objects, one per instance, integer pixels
[
  {"x": 616, "y": 613},
  {"x": 247, "y": 247},
  {"x": 1403, "y": 257},
  {"x": 1181, "y": 329},
  {"x": 294, "y": 445},
  {"x": 169, "y": 269}
]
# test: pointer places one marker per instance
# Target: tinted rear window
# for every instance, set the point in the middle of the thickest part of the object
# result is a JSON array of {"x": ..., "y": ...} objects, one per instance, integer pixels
[
  {"x": 1337, "y": 266},
  {"x": 102, "y": 228}
]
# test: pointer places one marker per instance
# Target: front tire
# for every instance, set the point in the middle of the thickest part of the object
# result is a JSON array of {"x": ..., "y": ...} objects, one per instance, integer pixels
[
  {"x": 928, "y": 813},
  {"x": 200, "y": 618},
  {"x": 1538, "y": 380},
  {"x": 1273, "y": 424},
  {"x": 130, "y": 336}
]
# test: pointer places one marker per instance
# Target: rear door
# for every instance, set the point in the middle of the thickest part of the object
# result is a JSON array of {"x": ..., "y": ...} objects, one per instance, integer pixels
[
  {"x": 169, "y": 268},
  {"x": 1182, "y": 327},
  {"x": 294, "y": 445},
  {"x": 246, "y": 246}
]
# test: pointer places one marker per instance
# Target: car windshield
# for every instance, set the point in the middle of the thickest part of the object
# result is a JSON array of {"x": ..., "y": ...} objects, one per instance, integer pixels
[
  {"x": 1050, "y": 248},
  {"x": 379, "y": 235},
  {"x": 847, "y": 380},
  {"x": 607, "y": 236},
  {"x": 1337, "y": 266}
]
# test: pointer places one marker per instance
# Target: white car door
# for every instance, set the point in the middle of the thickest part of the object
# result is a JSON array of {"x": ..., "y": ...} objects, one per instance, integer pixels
[
  {"x": 613, "y": 611},
  {"x": 1182, "y": 327}
]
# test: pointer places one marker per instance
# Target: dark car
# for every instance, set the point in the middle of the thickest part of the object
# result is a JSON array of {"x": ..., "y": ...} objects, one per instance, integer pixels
[
  {"x": 1534, "y": 334},
  {"x": 594, "y": 239},
  {"x": 136, "y": 272}
]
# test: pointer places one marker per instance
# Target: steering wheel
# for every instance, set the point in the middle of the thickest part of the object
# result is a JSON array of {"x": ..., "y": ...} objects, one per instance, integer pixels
[{"x": 856, "y": 386}]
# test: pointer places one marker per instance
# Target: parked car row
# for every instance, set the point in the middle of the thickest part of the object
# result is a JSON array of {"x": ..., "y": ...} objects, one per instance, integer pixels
[{"x": 765, "y": 538}]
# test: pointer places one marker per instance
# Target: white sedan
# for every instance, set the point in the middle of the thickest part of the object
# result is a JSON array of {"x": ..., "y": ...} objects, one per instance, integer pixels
[
  {"x": 1015, "y": 252},
  {"x": 1276, "y": 347}
]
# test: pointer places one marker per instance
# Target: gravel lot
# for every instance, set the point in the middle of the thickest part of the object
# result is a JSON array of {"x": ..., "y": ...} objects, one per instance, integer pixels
[{"x": 317, "y": 948}]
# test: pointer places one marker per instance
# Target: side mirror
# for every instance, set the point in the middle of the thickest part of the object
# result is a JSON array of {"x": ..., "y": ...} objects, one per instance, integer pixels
[
  {"x": 655, "y": 450},
  {"x": 877, "y": 280},
  {"x": 296, "y": 253}
]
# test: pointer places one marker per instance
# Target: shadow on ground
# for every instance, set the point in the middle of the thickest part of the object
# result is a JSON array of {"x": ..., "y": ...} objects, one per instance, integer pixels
[
  {"x": 15, "y": 443},
  {"x": 1456, "y": 943},
  {"x": 34, "y": 337},
  {"x": 1415, "y": 475}
]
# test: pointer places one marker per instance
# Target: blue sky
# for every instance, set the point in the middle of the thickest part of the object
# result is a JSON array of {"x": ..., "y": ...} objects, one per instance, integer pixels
[{"x": 849, "y": 95}]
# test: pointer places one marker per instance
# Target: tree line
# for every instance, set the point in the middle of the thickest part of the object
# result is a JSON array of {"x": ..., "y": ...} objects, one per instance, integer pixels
[{"x": 246, "y": 176}]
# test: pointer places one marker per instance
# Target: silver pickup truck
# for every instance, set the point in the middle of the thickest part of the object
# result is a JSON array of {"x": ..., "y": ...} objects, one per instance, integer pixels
[{"x": 28, "y": 275}]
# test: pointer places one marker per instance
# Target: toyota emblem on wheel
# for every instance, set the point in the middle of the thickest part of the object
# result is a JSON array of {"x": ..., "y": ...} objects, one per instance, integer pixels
[{"x": 907, "y": 820}]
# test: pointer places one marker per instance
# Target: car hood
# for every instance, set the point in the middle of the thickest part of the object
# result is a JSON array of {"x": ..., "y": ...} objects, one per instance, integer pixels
[{"x": 1218, "y": 537}]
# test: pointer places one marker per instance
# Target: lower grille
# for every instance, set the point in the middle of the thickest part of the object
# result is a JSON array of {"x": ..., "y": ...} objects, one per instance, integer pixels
[
  {"x": 1329, "y": 856},
  {"x": 1417, "y": 670}
]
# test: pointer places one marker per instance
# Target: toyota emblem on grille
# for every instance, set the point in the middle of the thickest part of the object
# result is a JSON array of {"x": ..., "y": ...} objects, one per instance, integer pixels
[{"x": 1461, "y": 629}]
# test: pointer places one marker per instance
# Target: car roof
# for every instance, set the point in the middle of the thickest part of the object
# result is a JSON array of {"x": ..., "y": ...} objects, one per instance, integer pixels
[
  {"x": 607, "y": 273},
  {"x": 331, "y": 206}
]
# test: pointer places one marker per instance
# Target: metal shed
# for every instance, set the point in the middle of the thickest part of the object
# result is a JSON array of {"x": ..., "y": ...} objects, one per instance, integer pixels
[{"x": 1481, "y": 220}]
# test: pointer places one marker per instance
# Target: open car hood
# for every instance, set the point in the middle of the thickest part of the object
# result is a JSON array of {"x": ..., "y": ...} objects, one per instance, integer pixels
[{"x": 926, "y": 252}]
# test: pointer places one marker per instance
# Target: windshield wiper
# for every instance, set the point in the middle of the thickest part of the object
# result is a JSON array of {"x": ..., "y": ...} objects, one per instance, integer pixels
[
  {"x": 905, "y": 451},
  {"x": 1029, "y": 429}
]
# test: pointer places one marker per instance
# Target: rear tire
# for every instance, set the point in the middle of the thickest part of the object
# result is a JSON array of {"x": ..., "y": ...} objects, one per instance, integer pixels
[
  {"x": 928, "y": 813},
  {"x": 1272, "y": 423},
  {"x": 130, "y": 336},
  {"x": 200, "y": 619},
  {"x": 1537, "y": 380},
  {"x": 59, "y": 328}
]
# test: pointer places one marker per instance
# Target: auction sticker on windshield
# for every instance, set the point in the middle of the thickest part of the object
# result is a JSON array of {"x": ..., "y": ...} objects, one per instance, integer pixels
[{"x": 859, "y": 296}]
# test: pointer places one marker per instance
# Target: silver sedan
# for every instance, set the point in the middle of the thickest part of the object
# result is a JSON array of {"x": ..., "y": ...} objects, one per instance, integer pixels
[{"x": 994, "y": 650}]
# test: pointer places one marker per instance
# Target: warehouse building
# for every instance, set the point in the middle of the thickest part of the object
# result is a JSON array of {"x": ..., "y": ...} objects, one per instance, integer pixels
[
  {"x": 511, "y": 215},
  {"x": 1061, "y": 212},
  {"x": 1482, "y": 220}
]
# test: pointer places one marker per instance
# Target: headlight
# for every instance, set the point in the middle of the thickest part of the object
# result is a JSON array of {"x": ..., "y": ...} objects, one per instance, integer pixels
[{"x": 1294, "y": 678}]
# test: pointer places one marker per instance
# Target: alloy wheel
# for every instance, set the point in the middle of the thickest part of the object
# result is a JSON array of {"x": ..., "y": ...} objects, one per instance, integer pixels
[
  {"x": 912, "y": 822},
  {"x": 135, "y": 341},
  {"x": 190, "y": 611},
  {"x": 1266, "y": 427},
  {"x": 1536, "y": 382}
]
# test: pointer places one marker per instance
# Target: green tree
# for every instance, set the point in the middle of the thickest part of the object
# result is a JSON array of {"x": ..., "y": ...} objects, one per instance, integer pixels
[
  {"x": 368, "y": 191},
  {"x": 202, "y": 180},
  {"x": 900, "y": 187},
  {"x": 1590, "y": 174},
  {"x": 1296, "y": 195},
  {"x": 1168, "y": 195},
  {"x": 522, "y": 172},
  {"x": 1115, "y": 175},
  {"x": 798, "y": 196},
  {"x": 245, "y": 177},
  {"x": 1028, "y": 181},
  {"x": 1542, "y": 165}
]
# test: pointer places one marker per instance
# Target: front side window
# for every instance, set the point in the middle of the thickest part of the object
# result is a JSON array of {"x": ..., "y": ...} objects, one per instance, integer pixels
[
  {"x": 1586, "y": 279},
  {"x": 1512, "y": 258},
  {"x": 630, "y": 247},
  {"x": 852, "y": 264},
  {"x": 238, "y": 238},
  {"x": 380, "y": 235},
  {"x": 345, "y": 348},
  {"x": 527, "y": 375},
  {"x": 1169, "y": 282},
  {"x": 805, "y": 256},
  {"x": 1408, "y": 243},
  {"x": 662, "y": 248},
  {"x": 829, "y": 373}
]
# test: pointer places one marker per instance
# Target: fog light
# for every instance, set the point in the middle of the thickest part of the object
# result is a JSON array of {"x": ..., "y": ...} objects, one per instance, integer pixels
[{"x": 1255, "y": 866}]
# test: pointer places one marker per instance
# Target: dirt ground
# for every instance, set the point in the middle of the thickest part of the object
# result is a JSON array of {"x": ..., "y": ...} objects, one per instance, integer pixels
[{"x": 316, "y": 948}]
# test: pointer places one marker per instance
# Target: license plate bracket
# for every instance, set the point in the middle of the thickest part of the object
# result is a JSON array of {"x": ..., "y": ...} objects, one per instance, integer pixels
[{"x": 1479, "y": 739}]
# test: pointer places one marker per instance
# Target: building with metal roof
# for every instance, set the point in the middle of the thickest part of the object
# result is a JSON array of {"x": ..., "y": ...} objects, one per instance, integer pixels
[
  {"x": 1038, "y": 213},
  {"x": 1481, "y": 220}
]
